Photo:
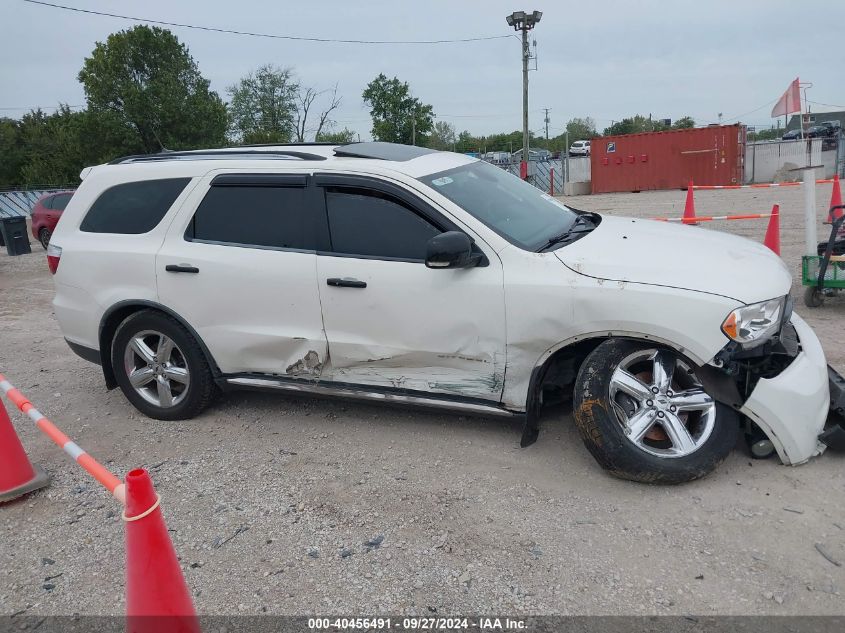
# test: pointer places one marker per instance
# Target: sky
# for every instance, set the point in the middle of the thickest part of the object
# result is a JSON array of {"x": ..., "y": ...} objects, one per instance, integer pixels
[{"x": 605, "y": 59}]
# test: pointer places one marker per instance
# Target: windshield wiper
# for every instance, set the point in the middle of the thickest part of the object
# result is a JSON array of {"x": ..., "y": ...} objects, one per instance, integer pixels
[{"x": 571, "y": 234}]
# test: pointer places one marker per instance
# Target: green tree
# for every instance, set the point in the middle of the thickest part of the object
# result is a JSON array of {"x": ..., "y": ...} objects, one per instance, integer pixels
[
  {"x": 342, "y": 137},
  {"x": 770, "y": 134},
  {"x": 683, "y": 123},
  {"x": 149, "y": 80},
  {"x": 396, "y": 113},
  {"x": 581, "y": 129},
  {"x": 11, "y": 152},
  {"x": 443, "y": 136},
  {"x": 263, "y": 106}
]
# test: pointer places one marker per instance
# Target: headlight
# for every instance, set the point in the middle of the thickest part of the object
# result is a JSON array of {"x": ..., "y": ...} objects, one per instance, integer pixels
[{"x": 754, "y": 324}]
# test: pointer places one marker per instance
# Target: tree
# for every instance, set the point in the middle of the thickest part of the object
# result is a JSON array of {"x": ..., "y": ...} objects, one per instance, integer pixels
[
  {"x": 443, "y": 136},
  {"x": 264, "y": 106},
  {"x": 683, "y": 123},
  {"x": 341, "y": 138},
  {"x": 581, "y": 129},
  {"x": 397, "y": 116},
  {"x": 770, "y": 134},
  {"x": 149, "y": 80},
  {"x": 12, "y": 151},
  {"x": 305, "y": 100}
]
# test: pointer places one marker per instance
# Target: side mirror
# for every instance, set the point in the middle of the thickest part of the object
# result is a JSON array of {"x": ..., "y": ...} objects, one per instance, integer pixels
[{"x": 451, "y": 249}]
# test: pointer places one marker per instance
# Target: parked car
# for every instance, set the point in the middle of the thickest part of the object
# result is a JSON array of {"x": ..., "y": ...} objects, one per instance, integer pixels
[
  {"x": 46, "y": 213},
  {"x": 818, "y": 131},
  {"x": 580, "y": 148},
  {"x": 791, "y": 135},
  {"x": 404, "y": 275},
  {"x": 533, "y": 154}
]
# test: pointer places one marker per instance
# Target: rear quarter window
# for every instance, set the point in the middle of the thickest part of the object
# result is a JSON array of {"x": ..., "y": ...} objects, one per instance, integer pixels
[
  {"x": 133, "y": 208},
  {"x": 60, "y": 201}
]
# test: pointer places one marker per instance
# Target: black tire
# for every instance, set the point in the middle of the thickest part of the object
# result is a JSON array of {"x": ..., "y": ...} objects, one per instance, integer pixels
[
  {"x": 603, "y": 435},
  {"x": 201, "y": 388},
  {"x": 813, "y": 297},
  {"x": 44, "y": 237}
]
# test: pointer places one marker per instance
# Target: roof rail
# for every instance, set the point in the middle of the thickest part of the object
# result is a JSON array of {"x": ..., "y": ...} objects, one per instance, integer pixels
[{"x": 215, "y": 153}]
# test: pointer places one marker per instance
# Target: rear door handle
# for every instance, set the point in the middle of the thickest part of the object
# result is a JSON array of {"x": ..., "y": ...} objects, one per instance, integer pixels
[
  {"x": 181, "y": 268},
  {"x": 346, "y": 282}
]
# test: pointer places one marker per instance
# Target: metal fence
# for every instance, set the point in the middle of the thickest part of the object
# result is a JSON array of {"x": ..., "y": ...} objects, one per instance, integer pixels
[
  {"x": 563, "y": 170},
  {"x": 19, "y": 203},
  {"x": 773, "y": 161}
]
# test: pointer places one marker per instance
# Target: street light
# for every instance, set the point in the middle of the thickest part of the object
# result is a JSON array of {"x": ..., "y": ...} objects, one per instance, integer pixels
[{"x": 524, "y": 21}]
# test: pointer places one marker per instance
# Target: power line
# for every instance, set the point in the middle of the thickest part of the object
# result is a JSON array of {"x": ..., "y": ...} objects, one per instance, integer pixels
[
  {"x": 266, "y": 35},
  {"x": 829, "y": 105},
  {"x": 735, "y": 118}
]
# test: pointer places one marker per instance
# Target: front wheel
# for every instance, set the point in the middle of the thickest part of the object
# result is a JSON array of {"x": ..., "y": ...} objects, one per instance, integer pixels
[
  {"x": 645, "y": 416},
  {"x": 160, "y": 367},
  {"x": 44, "y": 237}
]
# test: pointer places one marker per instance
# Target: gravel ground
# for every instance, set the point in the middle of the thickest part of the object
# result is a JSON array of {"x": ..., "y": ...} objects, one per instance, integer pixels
[{"x": 292, "y": 506}]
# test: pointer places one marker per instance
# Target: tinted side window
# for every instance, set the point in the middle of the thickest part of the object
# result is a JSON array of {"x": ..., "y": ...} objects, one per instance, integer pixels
[
  {"x": 60, "y": 201},
  {"x": 275, "y": 217},
  {"x": 365, "y": 222},
  {"x": 47, "y": 202},
  {"x": 133, "y": 207}
]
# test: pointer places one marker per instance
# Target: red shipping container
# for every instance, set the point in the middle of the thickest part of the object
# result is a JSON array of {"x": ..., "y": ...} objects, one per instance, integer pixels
[{"x": 668, "y": 160}]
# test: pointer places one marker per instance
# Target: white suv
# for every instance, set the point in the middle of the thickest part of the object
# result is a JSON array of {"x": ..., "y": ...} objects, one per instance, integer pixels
[
  {"x": 580, "y": 148},
  {"x": 401, "y": 274}
]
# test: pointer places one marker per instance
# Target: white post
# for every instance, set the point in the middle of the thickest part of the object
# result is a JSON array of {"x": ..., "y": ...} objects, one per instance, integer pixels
[{"x": 810, "y": 235}]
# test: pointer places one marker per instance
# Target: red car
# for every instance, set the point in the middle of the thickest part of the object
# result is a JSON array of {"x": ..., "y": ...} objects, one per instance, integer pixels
[{"x": 46, "y": 213}]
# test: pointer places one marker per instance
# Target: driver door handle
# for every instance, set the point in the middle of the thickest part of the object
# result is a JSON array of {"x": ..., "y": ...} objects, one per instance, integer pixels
[{"x": 346, "y": 282}]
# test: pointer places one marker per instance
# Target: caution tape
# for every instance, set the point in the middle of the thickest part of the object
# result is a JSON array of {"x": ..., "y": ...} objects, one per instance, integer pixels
[
  {"x": 88, "y": 463},
  {"x": 711, "y": 218},
  {"x": 766, "y": 185}
]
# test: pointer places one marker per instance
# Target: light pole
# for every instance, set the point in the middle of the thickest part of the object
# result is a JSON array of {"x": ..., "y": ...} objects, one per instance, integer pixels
[{"x": 524, "y": 21}]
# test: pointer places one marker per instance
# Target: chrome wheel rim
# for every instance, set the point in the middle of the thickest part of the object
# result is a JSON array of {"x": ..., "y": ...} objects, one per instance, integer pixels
[
  {"x": 660, "y": 404},
  {"x": 45, "y": 238},
  {"x": 156, "y": 369}
]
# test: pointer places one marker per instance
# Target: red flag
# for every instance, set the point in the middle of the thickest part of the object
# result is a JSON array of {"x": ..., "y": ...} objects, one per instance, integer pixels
[{"x": 790, "y": 101}]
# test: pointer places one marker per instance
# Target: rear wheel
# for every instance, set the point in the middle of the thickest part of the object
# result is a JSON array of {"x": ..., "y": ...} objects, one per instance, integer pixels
[
  {"x": 44, "y": 237},
  {"x": 645, "y": 416},
  {"x": 160, "y": 367}
]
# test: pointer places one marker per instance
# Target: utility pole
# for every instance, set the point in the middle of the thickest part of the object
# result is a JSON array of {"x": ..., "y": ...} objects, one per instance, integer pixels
[
  {"x": 524, "y": 21},
  {"x": 547, "y": 121}
]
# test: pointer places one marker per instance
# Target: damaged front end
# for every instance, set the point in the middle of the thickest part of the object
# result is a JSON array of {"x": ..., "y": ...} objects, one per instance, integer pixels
[{"x": 787, "y": 392}]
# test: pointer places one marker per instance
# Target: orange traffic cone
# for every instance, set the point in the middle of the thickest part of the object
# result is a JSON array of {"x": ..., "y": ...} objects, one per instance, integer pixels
[
  {"x": 157, "y": 597},
  {"x": 17, "y": 475},
  {"x": 772, "y": 239},
  {"x": 689, "y": 207},
  {"x": 835, "y": 201}
]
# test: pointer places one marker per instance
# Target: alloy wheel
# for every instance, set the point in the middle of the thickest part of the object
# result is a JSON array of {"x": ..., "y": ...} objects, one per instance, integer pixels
[
  {"x": 660, "y": 403},
  {"x": 156, "y": 368}
]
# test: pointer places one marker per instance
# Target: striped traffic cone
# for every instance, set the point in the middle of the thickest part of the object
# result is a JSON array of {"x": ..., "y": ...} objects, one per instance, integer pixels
[
  {"x": 157, "y": 597},
  {"x": 17, "y": 475}
]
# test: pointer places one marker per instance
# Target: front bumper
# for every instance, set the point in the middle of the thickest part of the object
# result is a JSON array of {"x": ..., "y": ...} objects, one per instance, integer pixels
[
  {"x": 793, "y": 407},
  {"x": 834, "y": 434}
]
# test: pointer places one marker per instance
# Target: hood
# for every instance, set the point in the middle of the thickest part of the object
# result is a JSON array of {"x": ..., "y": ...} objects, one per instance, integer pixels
[{"x": 687, "y": 257}]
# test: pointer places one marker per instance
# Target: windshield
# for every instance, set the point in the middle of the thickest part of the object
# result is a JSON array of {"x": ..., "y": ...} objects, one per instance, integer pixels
[{"x": 519, "y": 212}]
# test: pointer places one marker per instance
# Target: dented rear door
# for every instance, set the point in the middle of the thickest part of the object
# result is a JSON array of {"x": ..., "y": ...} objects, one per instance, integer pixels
[
  {"x": 390, "y": 321},
  {"x": 251, "y": 238}
]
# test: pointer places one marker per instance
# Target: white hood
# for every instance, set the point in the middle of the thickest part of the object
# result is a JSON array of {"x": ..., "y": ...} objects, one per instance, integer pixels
[{"x": 688, "y": 257}]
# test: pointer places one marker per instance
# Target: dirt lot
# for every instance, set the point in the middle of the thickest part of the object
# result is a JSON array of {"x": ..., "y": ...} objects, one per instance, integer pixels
[{"x": 271, "y": 499}]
